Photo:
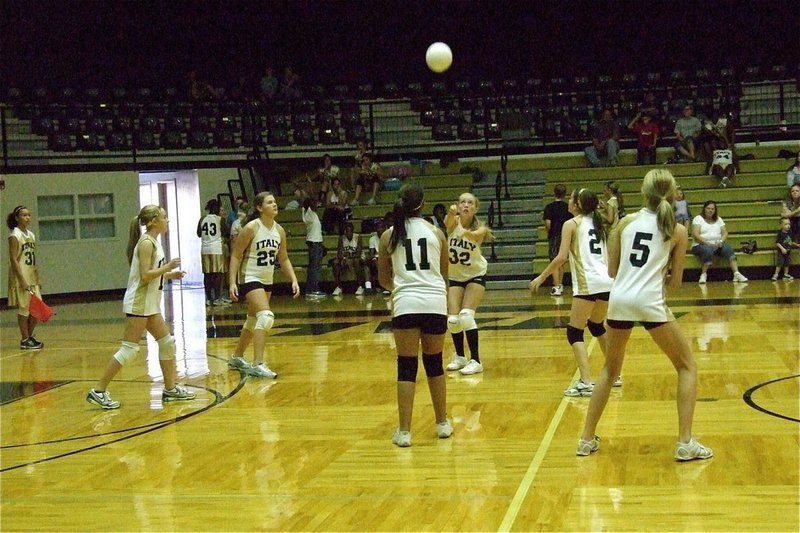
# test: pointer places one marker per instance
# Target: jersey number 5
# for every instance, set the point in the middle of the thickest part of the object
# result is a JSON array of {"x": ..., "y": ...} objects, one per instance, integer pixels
[
  {"x": 423, "y": 253},
  {"x": 639, "y": 259}
]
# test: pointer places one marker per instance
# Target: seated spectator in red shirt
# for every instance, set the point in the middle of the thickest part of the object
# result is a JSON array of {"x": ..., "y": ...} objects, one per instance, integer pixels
[{"x": 647, "y": 134}]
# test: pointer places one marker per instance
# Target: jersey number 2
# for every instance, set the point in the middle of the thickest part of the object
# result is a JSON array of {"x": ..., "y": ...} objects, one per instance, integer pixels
[{"x": 423, "y": 253}]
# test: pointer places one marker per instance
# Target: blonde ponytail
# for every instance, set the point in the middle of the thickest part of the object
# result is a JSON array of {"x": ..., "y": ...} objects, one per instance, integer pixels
[{"x": 658, "y": 189}]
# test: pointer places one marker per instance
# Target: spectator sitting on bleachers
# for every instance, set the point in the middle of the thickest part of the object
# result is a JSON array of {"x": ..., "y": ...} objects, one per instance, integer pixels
[
  {"x": 716, "y": 134},
  {"x": 710, "y": 238},
  {"x": 361, "y": 149},
  {"x": 791, "y": 210},
  {"x": 309, "y": 185},
  {"x": 647, "y": 136},
  {"x": 687, "y": 128},
  {"x": 437, "y": 219},
  {"x": 370, "y": 176},
  {"x": 793, "y": 172},
  {"x": 605, "y": 140},
  {"x": 326, "y": 173},
  {"x": 723, "y": 164},
  {"x": 682, "y": 213},
  {"x": 650, "y": 107},
  {"x": 348, "y": 257},
  {"x": 336, "y": 209},
  {"x": 268, "y": 84}
]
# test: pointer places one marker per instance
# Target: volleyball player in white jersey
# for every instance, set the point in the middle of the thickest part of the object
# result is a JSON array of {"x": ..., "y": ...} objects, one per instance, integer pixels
[
  {"x": 258, "y": 247},
  {"x": 23, "y": 274},
  {"x": 210, "y": 229},
  {"x": 412, "y": 263},
  {"x": 142, "y": 306},
  {"x": 583, "y": 242},
  {"x": 641, "y": 251},
  {"x": 467, "y": 284}
]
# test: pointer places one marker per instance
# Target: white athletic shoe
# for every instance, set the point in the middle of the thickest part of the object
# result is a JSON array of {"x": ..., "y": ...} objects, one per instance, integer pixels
[
  {"x": 401, "y": 438},
  {"x": 337, "y": 291},
  {"x": 703, "y": 278},
  {"x": 238, "y": 363},
  {"x": 261, "y": 371},
  {"x": 739, "y": 277},
  {"x": 687, "y": 451},
  {"x": 617, "y": 382},
  {"x": 473, "y": 367},
  {"x": 457, "y": 363},
  {"x": 359, "y": 291},
  {"x": 444, "y": 429},
  {"x": 579, "y": 388},
  {"x": 586, "y": 447}
]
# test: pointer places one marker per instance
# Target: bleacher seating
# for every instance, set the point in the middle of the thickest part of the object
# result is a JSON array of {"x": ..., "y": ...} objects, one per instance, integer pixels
[{"x": 556, "y": 110}]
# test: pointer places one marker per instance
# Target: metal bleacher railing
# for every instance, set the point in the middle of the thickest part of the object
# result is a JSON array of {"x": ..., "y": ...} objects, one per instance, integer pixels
[{"x": 84, "y": 133}]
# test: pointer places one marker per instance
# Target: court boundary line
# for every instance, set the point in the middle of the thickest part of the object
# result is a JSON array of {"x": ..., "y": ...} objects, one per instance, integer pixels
[{"x": 533, "y": 468}]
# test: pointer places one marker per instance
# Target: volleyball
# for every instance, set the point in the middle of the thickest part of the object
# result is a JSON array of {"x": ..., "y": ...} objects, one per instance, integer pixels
[{"x": 439, "y": 57}]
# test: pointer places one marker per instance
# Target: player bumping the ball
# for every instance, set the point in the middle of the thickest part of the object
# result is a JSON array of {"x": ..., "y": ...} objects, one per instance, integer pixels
[{"x": 465, "y": 234}]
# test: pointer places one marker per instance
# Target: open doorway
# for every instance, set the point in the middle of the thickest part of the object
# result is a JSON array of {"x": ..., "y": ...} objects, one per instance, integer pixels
[{"x": 179, "y": 193}]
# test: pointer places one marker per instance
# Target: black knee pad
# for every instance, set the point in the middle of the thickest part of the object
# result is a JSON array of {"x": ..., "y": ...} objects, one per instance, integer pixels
[
  {"x": 597, "y": 329},
  {"x": 574, "y": 335},
  {"x": 407, "y": 368},
  {"x": 433, "y": 364}
]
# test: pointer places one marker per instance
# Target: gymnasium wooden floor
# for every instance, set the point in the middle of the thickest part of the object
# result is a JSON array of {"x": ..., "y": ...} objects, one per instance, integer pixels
[{"x": 311, "y": 451}]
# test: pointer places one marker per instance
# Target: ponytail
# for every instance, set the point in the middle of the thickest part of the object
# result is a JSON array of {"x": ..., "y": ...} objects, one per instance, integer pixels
[
  {"x": 588, "y": 204},
  {"x": 11, "y": 219},
  {"x": 409, "y": 203},
  {"x": 146, "y": 215},
  {"x": 134, "y": 234},
  {"x": 665, "y": 215},
  {"x": 614, "y": 188},
  {"x": 658, "y": 189},
  {"x": 399, "y": 225}
]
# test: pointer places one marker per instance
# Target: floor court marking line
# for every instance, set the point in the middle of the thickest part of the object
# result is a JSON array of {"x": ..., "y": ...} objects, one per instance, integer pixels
[{"x": 527, "y": 480}]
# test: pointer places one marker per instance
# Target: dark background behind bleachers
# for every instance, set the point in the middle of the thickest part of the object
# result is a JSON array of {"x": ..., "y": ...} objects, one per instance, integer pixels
[{"x": 153, "y": 43}]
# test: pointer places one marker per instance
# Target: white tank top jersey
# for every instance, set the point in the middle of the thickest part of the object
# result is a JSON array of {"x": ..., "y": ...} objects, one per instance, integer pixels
[
  {"x": 350, "y": 245},
  {"x": 418, "y": 283},
  {"x": 26, "y": 255},
  {"x": 638, "y": 293},
  {"x": 144, "y": 299},
  {"x": 262, "y": 254},
  {"x": 588, "y": 260},
  {"x": 211, "y": 235},
  {"x": 466, "y": 259}
]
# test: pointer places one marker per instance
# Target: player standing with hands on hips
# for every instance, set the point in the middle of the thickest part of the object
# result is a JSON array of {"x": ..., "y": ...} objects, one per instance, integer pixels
[
  {"x": 258, "y": 247},
  {"x": 142, "y": 306},
  {"x": 465, "y": 234},
  {"x": 640, "y": 252},
  {"x": 412, "y": 263}
]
